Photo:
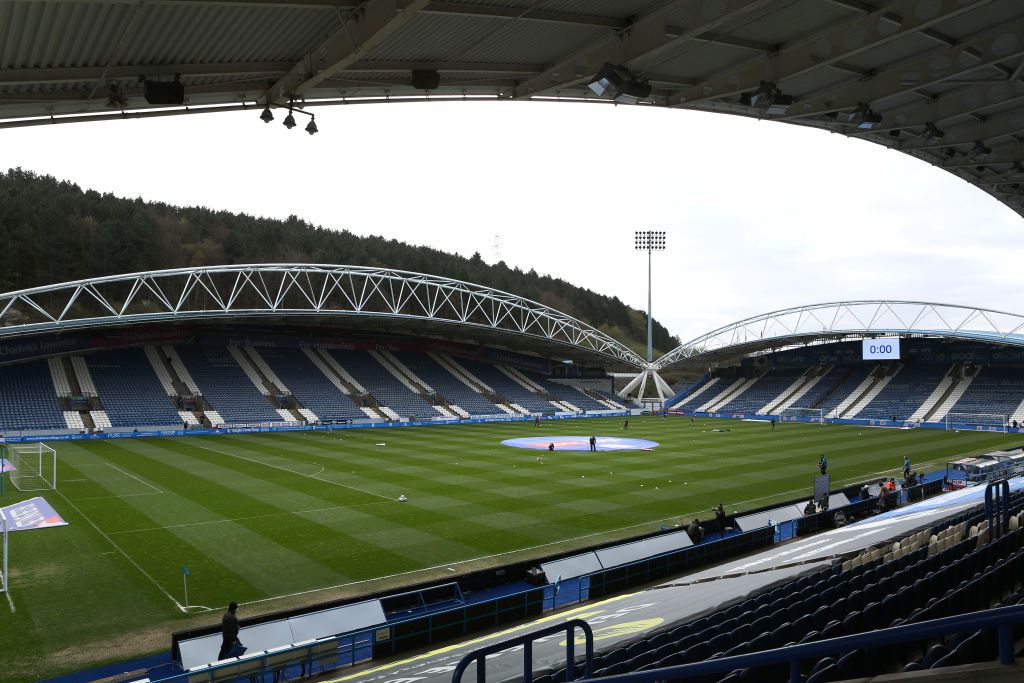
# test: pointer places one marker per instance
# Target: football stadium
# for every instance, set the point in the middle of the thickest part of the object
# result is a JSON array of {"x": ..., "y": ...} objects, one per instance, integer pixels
[{"x": 312, "y": 469}]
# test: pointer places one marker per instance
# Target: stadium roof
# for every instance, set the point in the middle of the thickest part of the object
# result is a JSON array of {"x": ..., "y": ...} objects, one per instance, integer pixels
[
  {"x": 371, "y": 299},
  {"x": 937, "y": 79},
  {"x": 791, "y": 327}
]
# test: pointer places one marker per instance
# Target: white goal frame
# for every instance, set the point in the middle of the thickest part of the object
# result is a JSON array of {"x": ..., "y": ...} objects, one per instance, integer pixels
[
  {"x": 974, "y": 420},
  {"x": 3, "y": 552},
  {"x": 814, "y": 414},
  {"x": 35, "y": 466}
]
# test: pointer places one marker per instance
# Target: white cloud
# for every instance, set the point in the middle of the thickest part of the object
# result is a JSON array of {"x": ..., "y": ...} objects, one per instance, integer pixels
[{"x": 760, "y": 215}]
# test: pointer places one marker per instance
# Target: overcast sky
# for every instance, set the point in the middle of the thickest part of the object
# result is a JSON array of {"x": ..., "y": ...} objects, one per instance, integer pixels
[{"x": 759, "y": 215}]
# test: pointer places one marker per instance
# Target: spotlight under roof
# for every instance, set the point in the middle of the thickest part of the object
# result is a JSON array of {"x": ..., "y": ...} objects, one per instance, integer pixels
[{"x": 267, "y": 116}]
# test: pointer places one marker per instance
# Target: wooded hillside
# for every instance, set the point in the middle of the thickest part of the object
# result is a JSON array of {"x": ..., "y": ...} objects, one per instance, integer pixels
[{"x": 54, "y": 231}]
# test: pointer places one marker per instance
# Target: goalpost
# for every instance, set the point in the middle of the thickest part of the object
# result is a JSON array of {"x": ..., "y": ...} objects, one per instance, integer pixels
[
  {"x": 991, "y": 422},
  {"x": 802, "y": 415},
  {"x": 3, "y": 552},
  {"x": 33, "y": 466}
]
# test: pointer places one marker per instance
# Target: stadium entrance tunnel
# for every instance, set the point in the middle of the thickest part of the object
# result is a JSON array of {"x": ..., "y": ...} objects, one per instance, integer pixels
[{"x": 581, "y": 443}]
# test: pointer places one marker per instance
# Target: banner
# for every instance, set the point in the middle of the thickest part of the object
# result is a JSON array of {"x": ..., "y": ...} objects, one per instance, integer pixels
[{"x": 34, "y": 513}]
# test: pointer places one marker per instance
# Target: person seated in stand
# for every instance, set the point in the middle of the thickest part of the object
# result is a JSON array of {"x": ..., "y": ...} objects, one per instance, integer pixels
[
  {"x": 823, "y": 501},
  {"x": 865, "y": 492},
  {"x": 810, "y": 509},
  {"x": 883, "y": 500}
]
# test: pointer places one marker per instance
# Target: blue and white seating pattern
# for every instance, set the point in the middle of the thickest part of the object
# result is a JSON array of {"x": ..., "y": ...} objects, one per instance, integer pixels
[
  {"x": 225, "y": 385},
  {"x": 28, "y": 399},
  {"x": 994, "y": 390},
  {"x": 766, "y": 389},
  {"x": 130, "y": 391},
  {"x": 446, "y": 384},
  {"x": 907, "y": 390},
  {"x": 506, "y": 386},
  {"x": 309, "y": 386},
  {"x": 384, "y": 386}
]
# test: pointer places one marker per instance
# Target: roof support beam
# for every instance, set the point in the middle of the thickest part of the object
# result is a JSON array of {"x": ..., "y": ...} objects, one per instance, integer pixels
[
  {"x": 936, "y": 66},
  {"x": 361, "y": 31},
  {"x": 644, "y": 37},
  {"x": 996, "y": 127},
  {"x": 826, "y": 48},
  {"x": 115, "y": 73},
  {"x": 1006, "y": 154}
]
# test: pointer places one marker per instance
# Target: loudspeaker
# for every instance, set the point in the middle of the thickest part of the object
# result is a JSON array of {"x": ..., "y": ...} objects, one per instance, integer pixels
[
  {"x": 425, "y": 79},
  {"x": 164, "y": 92}
]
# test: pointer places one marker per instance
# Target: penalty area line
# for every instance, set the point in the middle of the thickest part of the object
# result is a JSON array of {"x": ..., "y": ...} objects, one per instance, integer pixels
[{"x": 121, "y": 550}]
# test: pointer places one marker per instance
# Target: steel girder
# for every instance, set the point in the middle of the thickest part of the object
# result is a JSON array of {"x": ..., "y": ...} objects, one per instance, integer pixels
[
  {"x": 853, "y": 319},
  {"x": 275, "y": 290}
]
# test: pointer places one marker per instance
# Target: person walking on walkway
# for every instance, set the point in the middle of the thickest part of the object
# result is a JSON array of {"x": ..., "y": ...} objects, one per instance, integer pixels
[{"x": 229, "y": 631}]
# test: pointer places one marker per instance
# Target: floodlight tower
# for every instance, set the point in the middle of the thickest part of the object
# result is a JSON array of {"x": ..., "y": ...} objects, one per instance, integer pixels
[{"x": 649, "y": 241}]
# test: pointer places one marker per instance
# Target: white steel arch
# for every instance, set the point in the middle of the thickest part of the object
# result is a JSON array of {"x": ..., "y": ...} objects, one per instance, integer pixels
[
  {"x": 848, "y": 319},
  {"x": 246, "y": 291}
]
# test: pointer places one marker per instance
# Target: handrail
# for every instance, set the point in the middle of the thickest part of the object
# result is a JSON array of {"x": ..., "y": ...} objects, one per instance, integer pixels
[
  {"x": 480, "y": 656},
  {"x": 1003, "y": 618}
]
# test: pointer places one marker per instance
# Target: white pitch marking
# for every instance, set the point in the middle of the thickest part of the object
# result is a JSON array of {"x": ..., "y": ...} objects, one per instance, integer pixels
[
  {"x": 120, "y": 550},
  {"x": 285, "y": 469},
  {"x": 155, "y": 489}
]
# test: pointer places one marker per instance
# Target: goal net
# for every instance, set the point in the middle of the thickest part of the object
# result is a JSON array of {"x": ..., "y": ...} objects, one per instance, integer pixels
[
  {"x": 802, "y": 415},
  {"x": 989, "y": 422},
  {"x": 33, "y": 466}
]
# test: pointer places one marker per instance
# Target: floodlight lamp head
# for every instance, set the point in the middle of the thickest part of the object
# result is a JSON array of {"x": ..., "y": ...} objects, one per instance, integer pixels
[
  {"x": 864, "y": 118},
  {"x": 768, "y": 98},
  {"x": 289, "y": 121},
  {"x": 267, "y": 116},
  {"x": 933, "y": 134},
  {"x": 979, "y": 152},
  {"x": 605, "y": 79},
  {"x": 311, "y": 126}
]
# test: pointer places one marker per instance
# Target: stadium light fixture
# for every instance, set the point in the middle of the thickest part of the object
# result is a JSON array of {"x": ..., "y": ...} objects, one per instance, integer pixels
[
  {"x": 267, "y": 116},
  {"x": 932, "y": 134},
  {"x": 649, "y": 241},
  {"x": 311, "y": 126},
  {"x": 979, "y": 152},
  {"x": 768, "y": 98},
  {"x": 864, "y": 118},
  {"x": 289, "y": 121},
  {"x": 621, "y": 83}
]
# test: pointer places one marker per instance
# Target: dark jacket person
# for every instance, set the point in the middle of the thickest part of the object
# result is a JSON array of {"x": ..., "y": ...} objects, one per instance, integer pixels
[{"x": 229, "y": 626}]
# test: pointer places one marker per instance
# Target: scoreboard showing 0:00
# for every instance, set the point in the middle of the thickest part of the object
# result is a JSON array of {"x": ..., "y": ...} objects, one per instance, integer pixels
[{"x": 887, "y": 348}]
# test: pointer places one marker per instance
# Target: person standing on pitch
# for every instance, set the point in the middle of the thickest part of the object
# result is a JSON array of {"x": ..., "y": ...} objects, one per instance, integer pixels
[
  {"x": 906, "y": 467},
  {"x": 625, "y": 425},
  {"x": 229, "y": 631},
  {"x": 773, "y": 423},
  {"x": 593, "y": 443},
  {"x": 823, "y": 463},
  {"x": 536, "y": 420}
]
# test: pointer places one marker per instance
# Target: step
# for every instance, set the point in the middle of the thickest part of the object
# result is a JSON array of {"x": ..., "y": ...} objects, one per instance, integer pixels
[
  {"x": 460, "y": 373},
  {"x": 459, "y": 411},
  {"x": 334, "y": 365},
  {"x": 160, "y": 368},
  {"x": 935, "y": 397},
  {"x": 870, "y": 394},
  {"x": 265, "y": 369},
  {"x": 854, "y": 395},
  {"x": 61, "y": 386},
  {"x": 518, "y": 379},
  {"x": 407, "y": 371},
  {"x": 188, "y": 418},
  {"x": 689, "y": 397},
  {"x": 370, "y": 413},
  {"x": 83, "y": 376},
  {"x": 179, "y": 367},
  {"x": 309, "y": 415},
  {"x": 947, "y": 404},
  {"x": 389, "y": 413},
  {"x": 214, "y": 417},
  {"x": 769, "y": 407},
  {"x": 326, "y": 371}
]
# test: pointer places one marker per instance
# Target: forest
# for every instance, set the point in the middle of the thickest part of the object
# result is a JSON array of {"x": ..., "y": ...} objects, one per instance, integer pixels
[{"x": 54, "y": 231}]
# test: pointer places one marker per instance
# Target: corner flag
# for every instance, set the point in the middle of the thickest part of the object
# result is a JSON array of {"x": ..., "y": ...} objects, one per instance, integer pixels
[{"x": 185, "y": 571}]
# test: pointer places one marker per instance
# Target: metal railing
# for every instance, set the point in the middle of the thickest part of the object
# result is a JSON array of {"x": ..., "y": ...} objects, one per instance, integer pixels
[
  {"x": 1003, "y": 619},
  {"x": 526, "y": 641}
]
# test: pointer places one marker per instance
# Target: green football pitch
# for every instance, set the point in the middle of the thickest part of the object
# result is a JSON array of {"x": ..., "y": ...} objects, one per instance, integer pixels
[{"x": 281, "y": 520}]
